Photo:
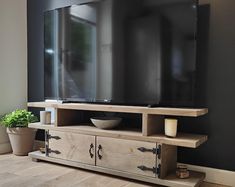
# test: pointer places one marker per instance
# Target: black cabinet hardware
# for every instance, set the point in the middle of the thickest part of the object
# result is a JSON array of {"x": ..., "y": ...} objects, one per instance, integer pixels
[
  {"x": 156, "y": 151},
  {"x": 90, "y": 150},
  {"x": 153, "y": 169},
  {"x": 53, "y": 137},
  {"x": 54, "y": 151},
  {"x": 98, "y": 152}
]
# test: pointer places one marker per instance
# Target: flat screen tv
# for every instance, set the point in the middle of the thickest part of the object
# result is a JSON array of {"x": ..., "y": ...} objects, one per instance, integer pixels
[{"x": 131, "y": 52}]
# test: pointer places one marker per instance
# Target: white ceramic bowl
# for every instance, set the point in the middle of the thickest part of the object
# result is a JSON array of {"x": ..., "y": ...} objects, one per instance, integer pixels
[{"x": 106, "y": 122}]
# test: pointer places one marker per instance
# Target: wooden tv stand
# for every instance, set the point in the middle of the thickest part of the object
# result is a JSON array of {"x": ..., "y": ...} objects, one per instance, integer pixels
[{"x": 144, "y": 154}]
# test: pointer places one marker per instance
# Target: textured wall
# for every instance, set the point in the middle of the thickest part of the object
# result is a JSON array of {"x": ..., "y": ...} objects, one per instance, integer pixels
[
  {"x": 216, "y": 86},
  {"x": 13, "y": 60},
  {"x": 13, "y": 55}
]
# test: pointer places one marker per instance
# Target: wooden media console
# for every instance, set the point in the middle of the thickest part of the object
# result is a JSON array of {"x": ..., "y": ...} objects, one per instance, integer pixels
[{"x": 140, "y": 152}]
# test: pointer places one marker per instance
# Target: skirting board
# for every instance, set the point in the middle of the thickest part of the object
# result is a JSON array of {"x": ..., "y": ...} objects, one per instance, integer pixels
[
  {"x": 213, "y": 175},
  {"x": 217, "y": 176}
]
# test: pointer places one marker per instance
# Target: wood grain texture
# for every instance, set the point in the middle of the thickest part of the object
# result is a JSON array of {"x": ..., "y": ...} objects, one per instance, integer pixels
[
  {"x": 168, "y": 159},
  {"x": 56, "y": 118},
  {"x": 72, "y": 146},
  {"x": 42, "y": 104},
  {"x": 124, "y": 109},
  {"x": 22, "y": 172},
  {"x": 152, "y": 124},
  {"x": 182, "y": 139},
  {"x": 117, "y": 150},
  {"x": 123, "y": 155},
  {"x": 171, "y": 180},
  {"x": 190, "y": 112}
]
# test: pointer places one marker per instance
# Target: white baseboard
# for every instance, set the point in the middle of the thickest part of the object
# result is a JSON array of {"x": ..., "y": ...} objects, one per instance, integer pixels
[{"x": 217, "y": 176}]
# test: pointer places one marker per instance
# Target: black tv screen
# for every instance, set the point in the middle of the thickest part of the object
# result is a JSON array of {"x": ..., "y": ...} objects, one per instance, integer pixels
[{"x": 132, "y": 52}]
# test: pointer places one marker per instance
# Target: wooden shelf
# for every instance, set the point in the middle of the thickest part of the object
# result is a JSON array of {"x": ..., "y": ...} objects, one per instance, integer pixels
[
  {"x": 182, "y": 139},
  {"x": 190, "y": 112},
  {"x": 171, "y": 180},
  {"x": 69, "y": 118},
  {"x": 195, "y": 179}
]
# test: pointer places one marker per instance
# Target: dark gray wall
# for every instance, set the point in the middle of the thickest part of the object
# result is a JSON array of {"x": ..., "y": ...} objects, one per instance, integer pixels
[{"x": 215, "y": 84}]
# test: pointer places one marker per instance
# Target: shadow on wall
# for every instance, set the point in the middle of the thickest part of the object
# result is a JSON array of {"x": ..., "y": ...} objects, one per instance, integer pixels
[
  {"x": 5, "y": 146},
  {"x": 202, "y": 55},
  {"x": 199, "y": 125}
]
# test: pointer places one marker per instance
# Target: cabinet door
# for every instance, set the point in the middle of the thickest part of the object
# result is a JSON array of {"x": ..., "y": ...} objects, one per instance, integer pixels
[
  {"x": 124, "y": 155},
  {"x": 72, "y": 146}
]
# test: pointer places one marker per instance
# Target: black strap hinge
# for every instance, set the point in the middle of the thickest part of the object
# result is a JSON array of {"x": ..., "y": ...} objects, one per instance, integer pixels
[
  {"x": 155, "y": 170},
  {"x": 53, "y": 137},
  {"x": 53, "y": 151},
  {"x": 156, "y": 151},
  {"x": 144, "y": 168},
  {"x": 158, "y": 170}
]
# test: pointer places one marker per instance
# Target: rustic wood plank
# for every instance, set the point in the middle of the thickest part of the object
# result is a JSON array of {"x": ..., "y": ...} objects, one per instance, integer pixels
[
  {"x": 69, "y": 179},
  {"x": 124, "y": 162},
  {"x": 72, "y": 146},
  {"x": 66, "y": 176},
  {"x": 141, "y": 185},
  {"x": 168, "y": 159},
  {"x": 152, "y": 124},
  {"x": 124, "y": 155},
  {"x": 42, "y": 104},
  {"x": 170, "y": 180},
  {"x": 98, "y": 181},
  {"x": 191, "y": 112},
  {"x": 206, "y": 184},
  {"x": 182, "y": 139},
  {"x": 7, "y": 177}
]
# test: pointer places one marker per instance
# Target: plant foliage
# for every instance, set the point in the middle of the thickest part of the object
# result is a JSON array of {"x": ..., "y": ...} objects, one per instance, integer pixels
[{"x": 18, "y": 118}]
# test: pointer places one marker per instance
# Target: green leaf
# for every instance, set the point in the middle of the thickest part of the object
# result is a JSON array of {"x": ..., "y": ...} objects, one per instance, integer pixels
[{"x": 18, "y": 118}]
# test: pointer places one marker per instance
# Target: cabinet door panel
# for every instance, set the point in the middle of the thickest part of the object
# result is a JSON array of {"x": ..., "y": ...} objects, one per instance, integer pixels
[
  {"x": 124, "y": 155},
  {"x": 72, "y": 146}
]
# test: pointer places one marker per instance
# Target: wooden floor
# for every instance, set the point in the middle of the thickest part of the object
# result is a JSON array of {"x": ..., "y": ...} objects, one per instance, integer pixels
[{"x": 22, "y": 172}]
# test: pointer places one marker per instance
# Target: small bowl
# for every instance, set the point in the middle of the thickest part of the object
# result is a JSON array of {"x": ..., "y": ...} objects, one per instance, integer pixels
[{"x": 106, "y": 122}]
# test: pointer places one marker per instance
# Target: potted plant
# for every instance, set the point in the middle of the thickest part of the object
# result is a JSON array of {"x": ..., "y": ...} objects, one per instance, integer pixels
[{"x": 21, "y": 137}]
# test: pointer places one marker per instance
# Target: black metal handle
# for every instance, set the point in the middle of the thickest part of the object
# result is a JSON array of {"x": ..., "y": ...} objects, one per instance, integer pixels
[
  {"x": 90, "y": 150},
  {"x": 53, "y": 137},
  {"x": 98, "y": 152}
]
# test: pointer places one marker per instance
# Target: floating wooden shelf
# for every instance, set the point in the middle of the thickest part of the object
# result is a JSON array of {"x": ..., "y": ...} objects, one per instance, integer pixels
[
  {"x": 171, "y": 180},
  {"x": 182, "y": 139},
  {"x": 124, "y": 109}
]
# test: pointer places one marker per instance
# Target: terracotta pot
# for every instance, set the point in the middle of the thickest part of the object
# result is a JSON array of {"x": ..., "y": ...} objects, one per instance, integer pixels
[{"x": 22, "y": 140}]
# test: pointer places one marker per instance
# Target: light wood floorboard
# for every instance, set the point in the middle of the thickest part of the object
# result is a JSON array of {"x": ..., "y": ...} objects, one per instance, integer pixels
[{"x": 22, "y": 172}]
